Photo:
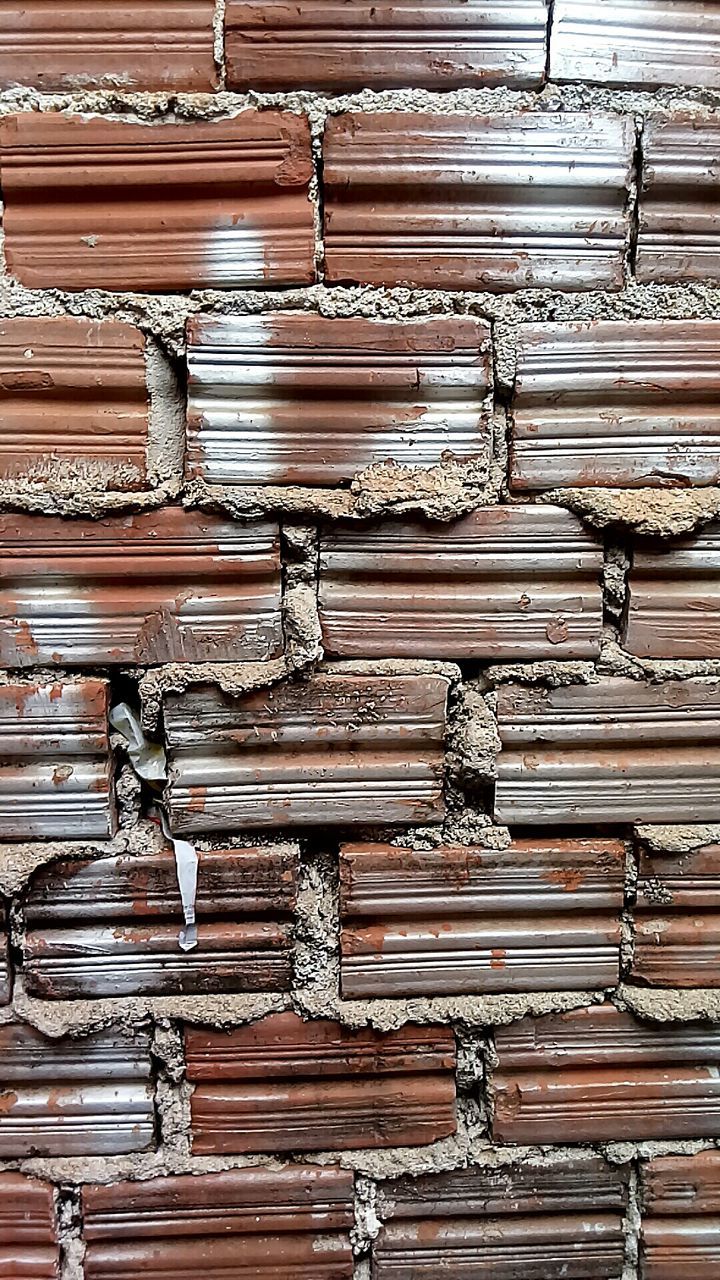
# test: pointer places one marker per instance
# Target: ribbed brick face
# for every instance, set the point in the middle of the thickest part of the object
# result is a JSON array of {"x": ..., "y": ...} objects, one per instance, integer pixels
[{"x": 360, "y": 640}]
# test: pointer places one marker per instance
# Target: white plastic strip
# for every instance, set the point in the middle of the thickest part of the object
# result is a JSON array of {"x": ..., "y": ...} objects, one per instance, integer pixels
[{"x": 186, "y": 863}]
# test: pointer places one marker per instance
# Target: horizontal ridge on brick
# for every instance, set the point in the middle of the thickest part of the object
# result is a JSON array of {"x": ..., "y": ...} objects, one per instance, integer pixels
[
  {"x": 123, "y": 45},
  {"x": 282, "y": 1084},
  {"x": 597, "y": 1074},
  {"x": 55, "y": 765},
  {"x": 88, "y": 1095},
  {"x": 677, "y": 919},
  {"x": 616, "y": 402},
  {"x": 679, "y": 219},
  {"x": 74, "y": 403},
  {"x": 613, "y": 751},
  {"x": 28, "y": 1228},
  {"x": 674, "y": 594},
  {"x": 384, "y": 45},
  {"x": 538, "y": 916},
  {"x": 336, "y": 748},
  {"x": 477, "y": 202},
  {"x": 636, "y": 42},
  {"x": 109, "y": 204},
  {"x": 298, "y": 398},
  {"x": 541, "y": 1221},
  {"x": 109, "y": 927},
  {"x": 255, "y": 1224},
  {"x": 680, "y": 1229},
  {"x": 163, "y": 586},
  {"x": 505, "y": 583}
]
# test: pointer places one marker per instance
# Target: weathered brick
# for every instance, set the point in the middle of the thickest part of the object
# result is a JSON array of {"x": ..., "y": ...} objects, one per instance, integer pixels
[
  {"x": 301, "y": 399},
  {"x": 614, "y": 751},
  {"x": 597, "y": 1074},
  {"x": 675, "y": 599},
  {"x": 607, "y": 402},
  {"x": 109, "y": 927},
  {"x": 282, "y": 1084},
  {"x": 680, "y": 206},
  {"x": 74, "y": 403},
  {"x": 55, "y": 764},
  {"x": 540, "y": 915},
  {"x": 253, "y": 1224},
  {"x": 541, "y": 1222},
  {"x": 95, "y": 203},
  {"x": 505, "y": 582},
  {"x": 477, "y": 202},
  {"x": 163, "y": 586},
  {"x": 128, "y": 45},
  {"x": 636, "y": 42},
  {"x": 271, "y": 45},
  {"x": 677, "y": 919},
  {"x": 336, "y": 748},
  {"x": 28, "y": 1233},
  {"x": 680, "y": 1231},
  {"x": 91, "y": 1095}
]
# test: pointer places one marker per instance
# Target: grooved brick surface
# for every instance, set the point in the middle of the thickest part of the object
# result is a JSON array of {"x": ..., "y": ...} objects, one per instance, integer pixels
[
  {"x": 28, "y": 1232},
  {"x": 159, "y": 204},
  {"x": 263, "y": 1224},
  {"x": 301, "y": 399},
  {"x": 282, "y": 1084},
  {"x": 539, "y": 915},
  {"x": 272, "y": 45},
  {"x": 74, "y": 403},
  {"x": 476, "y": 202},
  {"x": 87, "y": 44}
]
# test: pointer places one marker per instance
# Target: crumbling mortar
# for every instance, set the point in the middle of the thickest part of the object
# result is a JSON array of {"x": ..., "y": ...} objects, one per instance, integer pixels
[
  {"x": 633, "y": 202},
  {"x": 552, "y": 97},
  {"x": 68, "y": 1207},
  {"x": 219, "y": 43},
  {"x": 167, "y": 417},
  {"x": 631, "y": 1226},
  {"x": 627, "y": 921}
]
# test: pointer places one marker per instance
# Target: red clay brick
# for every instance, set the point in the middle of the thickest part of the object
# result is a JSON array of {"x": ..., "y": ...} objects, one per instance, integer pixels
[
  {"x": 74, "y": 403},
  {"x": 253, "y": 1224},
  {"x": 505, "y": 583},
  {"x": 636, "y": 42},
  {"x": 679, "y": 206},
  {"x": 128, "y": 45},
  {"x": 544, "y": 1222},
  {"x": 675, "y": 599},
  {"x": 109, "y": 927},
  {"x": 28, "y": 1239},
  {"x": 677, "y": 919},
  {"x": 55, "y": 765},
  {"x": 613, "y": 751},
  {"x": 91, "y": 1095},
  {"x": 596, "y": 1074},
  {"x": 477, "y": 202},
  {"x": 540, "y": 915},
  {"x": 339, "y": 748},
  {"x": 606, "y": 402},
  {"x": 298, "y": 398},
  {"x": 680, "y": 1234},
  {"x": 282, "y": 1084},
  {"x": 271, "y": 45},
  {"x": 95, "y": 203},
  {"x": 163, "y": 586}
]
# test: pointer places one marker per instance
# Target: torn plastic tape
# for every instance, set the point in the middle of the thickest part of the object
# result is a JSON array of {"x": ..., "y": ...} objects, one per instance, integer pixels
[
  {"x": 186, "y": 863},
  {"x": 147, "y": 758}
]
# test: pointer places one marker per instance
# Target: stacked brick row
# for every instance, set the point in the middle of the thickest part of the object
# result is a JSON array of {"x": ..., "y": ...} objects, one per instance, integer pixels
[{"x": 360, "y": 640}]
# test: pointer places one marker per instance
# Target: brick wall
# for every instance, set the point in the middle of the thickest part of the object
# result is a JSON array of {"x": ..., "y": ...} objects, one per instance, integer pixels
[{"x": 360, "y": 433}]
